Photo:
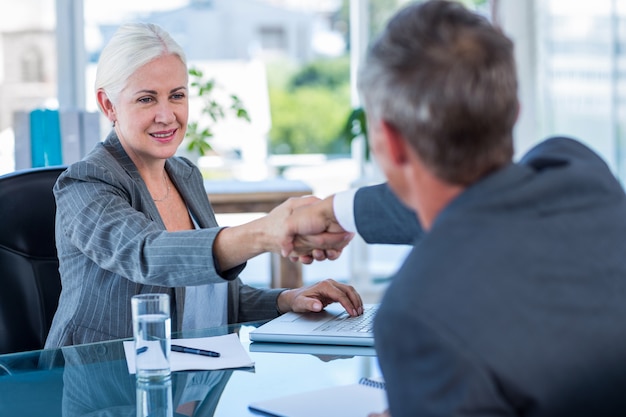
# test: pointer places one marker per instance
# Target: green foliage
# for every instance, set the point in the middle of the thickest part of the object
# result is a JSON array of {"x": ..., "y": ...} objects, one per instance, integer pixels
[
  {"x": 199, "y": 134},
  {"x": 355, "y": 125},
  {"x": 308, "y": 120},
  {"x": 309, "y": 108},
  {"x": 324, "y": 73}
]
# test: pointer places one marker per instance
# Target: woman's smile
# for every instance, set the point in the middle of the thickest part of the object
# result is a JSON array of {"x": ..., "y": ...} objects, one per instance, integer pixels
[{"x": 164, "y": 136}]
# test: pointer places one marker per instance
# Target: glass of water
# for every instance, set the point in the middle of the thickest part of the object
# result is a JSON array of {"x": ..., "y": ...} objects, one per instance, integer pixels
[{"x": 152, "y": 334}]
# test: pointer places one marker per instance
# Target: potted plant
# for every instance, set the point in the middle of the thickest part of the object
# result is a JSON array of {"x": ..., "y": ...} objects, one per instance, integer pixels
[
  {"x": 199, "y": 133},
  {"x": 356, "y": 127}
]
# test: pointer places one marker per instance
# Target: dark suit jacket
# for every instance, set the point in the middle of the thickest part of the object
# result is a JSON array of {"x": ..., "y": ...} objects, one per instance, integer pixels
[
  {"x": 112, "y": 244},
  {"x": 513, "y": 304}
]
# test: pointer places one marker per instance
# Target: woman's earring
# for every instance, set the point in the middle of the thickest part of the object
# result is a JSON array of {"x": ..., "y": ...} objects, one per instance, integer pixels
[{"x": 113, "y": 123}]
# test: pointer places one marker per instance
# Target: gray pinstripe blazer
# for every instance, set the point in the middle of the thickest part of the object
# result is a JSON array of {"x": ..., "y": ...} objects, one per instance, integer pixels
[{"x": 112, "y": 244}]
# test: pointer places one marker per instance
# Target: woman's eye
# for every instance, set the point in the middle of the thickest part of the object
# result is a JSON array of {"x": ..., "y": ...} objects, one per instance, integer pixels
[
  {"x": 145, "y": 99},
  {"x": 178, "y": 96}
]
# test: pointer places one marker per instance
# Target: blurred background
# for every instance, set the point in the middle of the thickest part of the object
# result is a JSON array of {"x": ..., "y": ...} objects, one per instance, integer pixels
[{"x": 291, "y": 65}]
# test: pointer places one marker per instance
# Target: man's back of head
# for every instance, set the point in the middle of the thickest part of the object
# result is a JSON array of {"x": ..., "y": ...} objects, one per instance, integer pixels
[{"x": 445, "y": 78}]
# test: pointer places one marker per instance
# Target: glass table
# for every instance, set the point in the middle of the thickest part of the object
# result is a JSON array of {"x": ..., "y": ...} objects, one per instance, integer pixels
[{"x": 93, "y": 379}]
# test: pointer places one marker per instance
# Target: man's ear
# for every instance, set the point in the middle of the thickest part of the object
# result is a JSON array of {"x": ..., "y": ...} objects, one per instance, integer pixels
[
  {"x": 106, "y": 105},
  {"x": 395, "y": 143}
]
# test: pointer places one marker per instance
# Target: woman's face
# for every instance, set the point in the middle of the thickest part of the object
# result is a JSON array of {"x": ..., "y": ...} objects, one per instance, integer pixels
[{"x": 152, "y": 110}]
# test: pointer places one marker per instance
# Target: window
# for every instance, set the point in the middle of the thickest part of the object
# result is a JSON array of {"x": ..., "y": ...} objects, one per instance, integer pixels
[
  {"x": 28, "y": 67},
  {"x": 581, "y": 75}
]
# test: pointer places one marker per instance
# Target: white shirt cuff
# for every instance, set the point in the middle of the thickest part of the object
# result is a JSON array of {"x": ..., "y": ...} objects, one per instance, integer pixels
[{"x": 343, "y": 206}]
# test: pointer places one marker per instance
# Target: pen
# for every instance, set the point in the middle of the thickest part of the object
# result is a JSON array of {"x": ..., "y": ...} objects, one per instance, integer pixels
[{"x": 185, "y": 349}]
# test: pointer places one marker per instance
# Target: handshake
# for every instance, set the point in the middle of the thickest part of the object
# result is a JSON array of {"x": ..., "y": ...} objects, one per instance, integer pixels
[{"x": 306, "y": 229}]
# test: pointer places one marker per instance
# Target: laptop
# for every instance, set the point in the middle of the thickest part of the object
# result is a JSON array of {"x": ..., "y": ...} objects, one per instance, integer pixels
[
  {"x": 347, "y": 351},
  {"x": 333, "y": 326}
]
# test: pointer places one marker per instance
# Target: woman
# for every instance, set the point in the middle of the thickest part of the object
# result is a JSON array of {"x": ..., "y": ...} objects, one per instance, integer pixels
[{"x": 133, "y": 218}]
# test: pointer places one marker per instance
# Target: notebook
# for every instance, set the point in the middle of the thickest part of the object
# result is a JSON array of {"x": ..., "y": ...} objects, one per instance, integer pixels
[
  {"x": 346, "y": 400},
  {"x": 333, "y": 326}
]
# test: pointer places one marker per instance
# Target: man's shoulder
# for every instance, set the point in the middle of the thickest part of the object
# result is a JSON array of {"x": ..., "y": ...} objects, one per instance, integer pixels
[
  {"x": 574, "y": 172},
  {"x": 561, "y": 150}
]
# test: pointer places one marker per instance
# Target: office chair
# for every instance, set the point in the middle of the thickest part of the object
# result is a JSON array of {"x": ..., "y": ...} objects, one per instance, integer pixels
[{"x": 30, "y": 283}]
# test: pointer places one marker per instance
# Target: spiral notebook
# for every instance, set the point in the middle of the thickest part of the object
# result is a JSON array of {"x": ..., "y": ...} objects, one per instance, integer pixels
[{"x": 360, "y": 399}]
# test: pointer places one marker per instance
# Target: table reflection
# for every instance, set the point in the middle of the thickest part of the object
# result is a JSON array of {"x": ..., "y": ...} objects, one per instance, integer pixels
[
  {"x": 93, "y": 380},
  {"x": 96, "y": 382},
  {"x": 154, "y": 398}
]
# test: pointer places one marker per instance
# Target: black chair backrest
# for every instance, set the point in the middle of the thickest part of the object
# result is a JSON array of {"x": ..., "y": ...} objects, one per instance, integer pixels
[{"x": 29, "y": 268}]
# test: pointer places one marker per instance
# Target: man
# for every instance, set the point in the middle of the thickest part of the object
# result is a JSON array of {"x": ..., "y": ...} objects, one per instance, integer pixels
[{"x": 512, "y": 300}]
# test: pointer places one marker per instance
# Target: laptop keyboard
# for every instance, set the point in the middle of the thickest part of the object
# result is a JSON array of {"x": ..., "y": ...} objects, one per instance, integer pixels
[{"x": 344, "y": 323}]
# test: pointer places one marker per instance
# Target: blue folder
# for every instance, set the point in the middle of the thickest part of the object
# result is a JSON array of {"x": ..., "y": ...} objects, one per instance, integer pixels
[{"x": 45, "y": 136}]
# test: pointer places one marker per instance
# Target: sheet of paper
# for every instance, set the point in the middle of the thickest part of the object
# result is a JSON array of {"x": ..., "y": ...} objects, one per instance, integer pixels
[{"x": 232, "y": 354}]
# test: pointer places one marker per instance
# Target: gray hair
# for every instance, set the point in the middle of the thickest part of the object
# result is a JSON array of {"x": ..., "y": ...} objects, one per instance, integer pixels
[
  {"x": 445, "y": 78},
  {"x": 132, "y": 46}
]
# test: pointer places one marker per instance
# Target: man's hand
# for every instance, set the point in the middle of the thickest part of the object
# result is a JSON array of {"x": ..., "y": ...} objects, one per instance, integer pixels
[
  {"x": 315, "y": 297},
  {"x": 307, "y": 248}
]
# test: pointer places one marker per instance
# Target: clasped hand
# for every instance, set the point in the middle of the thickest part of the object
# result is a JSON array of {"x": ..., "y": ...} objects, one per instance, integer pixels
[
  {"x": 312, "y": 231},
  {"x": 308, "y": 231}
]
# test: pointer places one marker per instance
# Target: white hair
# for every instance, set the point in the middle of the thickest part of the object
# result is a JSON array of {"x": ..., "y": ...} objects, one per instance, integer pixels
[{"x": 132, "y": 46}]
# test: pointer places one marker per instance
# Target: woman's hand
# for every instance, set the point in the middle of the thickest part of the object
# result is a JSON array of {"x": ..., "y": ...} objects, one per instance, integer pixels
[{"x": 315, "y": 297}]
